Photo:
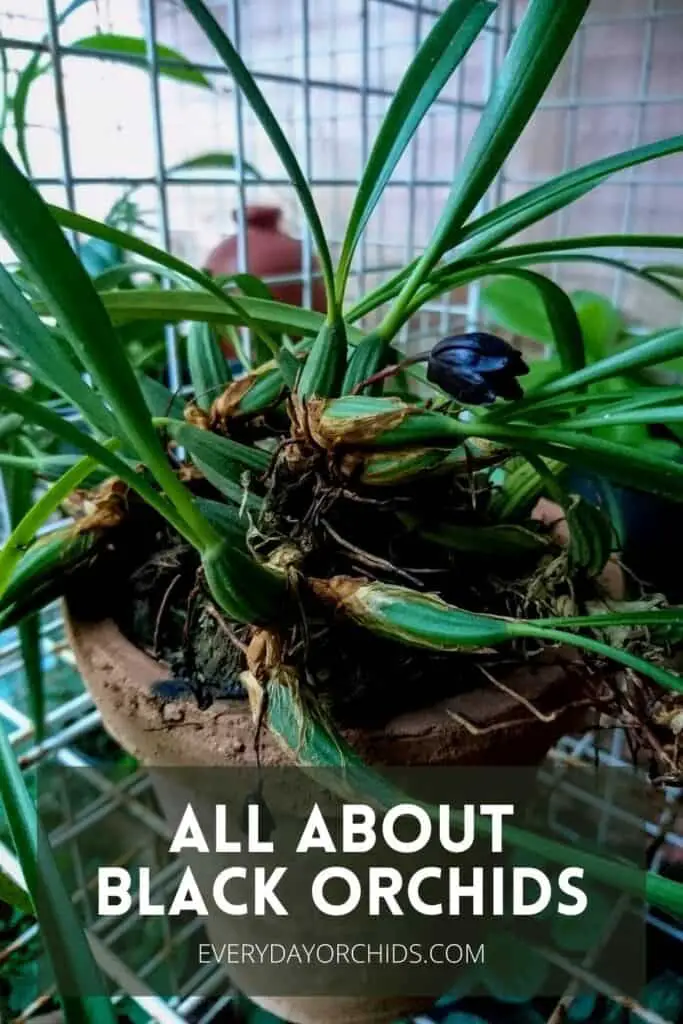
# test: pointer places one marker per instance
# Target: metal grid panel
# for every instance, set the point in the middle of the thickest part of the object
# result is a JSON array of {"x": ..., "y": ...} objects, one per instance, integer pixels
[{"x": 329, "y": 69}]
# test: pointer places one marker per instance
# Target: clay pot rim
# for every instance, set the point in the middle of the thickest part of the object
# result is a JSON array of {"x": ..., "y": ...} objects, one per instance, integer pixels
[
  {"x": 259, "y": 215},
  {"x": 119, "y": 677}
]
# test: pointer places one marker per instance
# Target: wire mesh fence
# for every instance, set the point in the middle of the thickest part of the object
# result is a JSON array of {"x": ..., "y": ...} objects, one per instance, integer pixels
[{"x": 98, "y": 130}]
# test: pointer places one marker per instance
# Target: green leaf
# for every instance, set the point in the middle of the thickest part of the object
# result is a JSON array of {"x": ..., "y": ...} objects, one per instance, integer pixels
[
  {"x": 30, "y": 229},
  {"x": 614, "y": 461},
  {"x": 31, "y": 655},
  {"x": 316, "y": 743},
  {"x": 13, "y": 894},
  {"x": 76, "y": 974},
  {"x": 424, "y": 620},
  {"x": 591, "y": 536},
  {"x": 249, "y": 284},
  {"x": 601, "y": 323},
  {"x": 666, "y": 270},
  {"x": 537, "y": 49},
  {"x": 559, "y": 256},
  {"x": 215, "y": 160},
  {"x": 25, "y": 80},
  {"x": 30, "y": 338},
  {"x": 541, "y": 371},
  {"x": 172, "y": 64},
  {"x": 174, "y": 266},
  {"x": 513, "y": 972},
  {"x": 563, "y": 324},
  {"x": 519, "y": 308},
  {"x": 49, "y": 560},
  {"x": 500, "y": 541},
  {"x": 539, "y": 44},
  {"x": 665, "y": 415},
  {"x": 131, "y": 243},
  {"x": 217, "y": 451},
  {"x": 515, "y": 306},
  {"x": 325, "y": 366},
  {"x": 521, "y": 488},
  {"x": 246, "y": 590},
  {"x": 439, "y": 55},
  {"x": 521, "y": 212},
  {"x": 57, "y": 426},
  {"x": 255, "y": 288},
  {"x": 288, "y": 367},
  {"x": 254, "y": 96},
  {"x": 209, "y": 370},
  {"x": 227, "y": 519},
  {"x": 447, "y": 275},
  {"x": 161, "y": 402},
  {"x": 18, "y": 487},
  {"x": 114, "y": 274},
  {"x": 5, "y": 99},
  {"x": 420, "y": 620},
  {"x": 176, "y": 306},
  {"x": 648, "y": 353}
]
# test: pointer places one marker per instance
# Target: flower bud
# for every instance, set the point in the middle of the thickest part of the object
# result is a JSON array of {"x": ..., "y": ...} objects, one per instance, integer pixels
[{"x": 476, "y": 368}]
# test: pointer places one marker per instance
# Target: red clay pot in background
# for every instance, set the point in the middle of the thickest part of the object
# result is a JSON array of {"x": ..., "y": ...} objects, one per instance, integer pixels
[{"x": 270, "y": 252}]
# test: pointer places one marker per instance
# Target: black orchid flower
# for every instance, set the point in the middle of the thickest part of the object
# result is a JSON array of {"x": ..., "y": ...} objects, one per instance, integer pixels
[{"x": 476, "y": 368}]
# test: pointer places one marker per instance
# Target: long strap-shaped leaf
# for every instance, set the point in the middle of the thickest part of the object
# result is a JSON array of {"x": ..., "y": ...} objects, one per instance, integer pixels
[
  {"x": 79, "y": 982},
  {"x": 521, "y": 212},
  {"x": 502, "y": 257},
  {"x": 437, "y": 58},
  {"x": 209, "y": 369},
  {"x": 609, "y": 402},
  {"x": 637, "y": 357},
  {"x": 258, "y": 104},
  {"x": 458, "y": 273},
  {"x": 133, "y": 51},
  {"x": 131, "y": 243},
  {"x": 32, "y": 232},
  {"x": 608, "y": 418},
  {"x": 176, "y": 306},
  {"x": 214, "y": 449},
  {"x": 317, "y": 745},
  {"x": 18, "y": 487},
  {"x": 537, "y": 49},
  {"x": 25, "y": 79},
  {"x": 14, "y": 550},
  {"x": 30, "y": 339},
  {"x": 547, "y": 248},
  {"x": 620, "y": 463},
  {"x": 36, "y": 413}
]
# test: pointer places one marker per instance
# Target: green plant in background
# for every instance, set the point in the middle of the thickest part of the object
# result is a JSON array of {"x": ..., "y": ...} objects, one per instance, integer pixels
[
  {"x": 311, "y": 428},
  {"x": 27, "y": 458},
  {"x": 516, "y": 307}
]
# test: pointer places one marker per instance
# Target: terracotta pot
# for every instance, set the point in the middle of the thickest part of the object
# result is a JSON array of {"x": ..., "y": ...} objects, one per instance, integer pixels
[
  {"x": 119, "y": 677},
  {"x": 270, "y": 252}
]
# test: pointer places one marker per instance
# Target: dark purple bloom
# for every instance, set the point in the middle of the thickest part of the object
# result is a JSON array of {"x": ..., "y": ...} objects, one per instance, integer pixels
[{"x": 476, "y": 368}]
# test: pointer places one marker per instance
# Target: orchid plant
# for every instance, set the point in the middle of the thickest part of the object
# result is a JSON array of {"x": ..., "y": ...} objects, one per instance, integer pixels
[{"x": 317, "y": 421}]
